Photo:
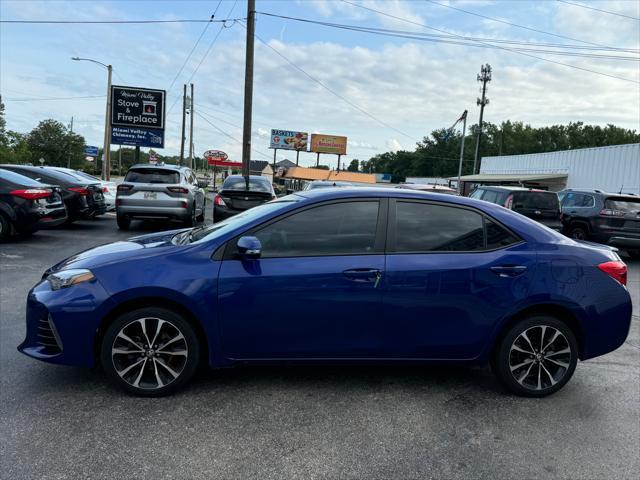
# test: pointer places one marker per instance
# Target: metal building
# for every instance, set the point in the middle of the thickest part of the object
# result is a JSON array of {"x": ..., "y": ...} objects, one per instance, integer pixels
[{"x": 610, "y": 169}]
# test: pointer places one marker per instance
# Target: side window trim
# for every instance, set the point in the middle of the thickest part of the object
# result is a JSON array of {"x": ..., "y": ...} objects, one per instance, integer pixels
[
  {"x": 381, "y": 228},
  {"x": 391, "y": 231}
]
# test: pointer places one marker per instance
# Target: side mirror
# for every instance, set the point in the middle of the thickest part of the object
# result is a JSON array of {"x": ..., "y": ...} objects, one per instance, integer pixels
[{"x": 249, "y": 248}]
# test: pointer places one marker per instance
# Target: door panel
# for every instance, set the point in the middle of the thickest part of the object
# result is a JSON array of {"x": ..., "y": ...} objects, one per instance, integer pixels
[
  {"x": 445, "y": 305},
  {"x": 303, "y": 307}
]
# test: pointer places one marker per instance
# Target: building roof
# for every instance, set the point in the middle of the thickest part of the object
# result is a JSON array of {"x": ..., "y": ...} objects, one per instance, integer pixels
[
  {"x": 257, "y": 165},
  {"x": 301, "y": 173},
  {"x": 513, "y": 177},
  {"x": 285, "y": 163}
]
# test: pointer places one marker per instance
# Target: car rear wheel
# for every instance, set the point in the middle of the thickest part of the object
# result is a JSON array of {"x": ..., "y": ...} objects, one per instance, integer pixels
[
  {"x": 578, "y": 232},
  {"x": 536, "y": 357},
  {"x": 124, "y": 222},
  {"x": 5, "y": 228},
  {"x": 200, "y": 218},
  {"x": 191, "y": 221},
  {"x": 150, "y": 352}
]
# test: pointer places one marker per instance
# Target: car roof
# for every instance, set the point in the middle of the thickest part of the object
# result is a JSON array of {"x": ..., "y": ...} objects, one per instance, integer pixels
[
  {"x": 251, "y": 177},
  {"x": 509, "y": 188},
  {"x": 600, "y": 192},
  {"x": 168, "y": 166}
]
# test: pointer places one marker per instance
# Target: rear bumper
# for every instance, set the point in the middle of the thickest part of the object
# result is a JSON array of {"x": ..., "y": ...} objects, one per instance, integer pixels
[
  {"x": 220, "y": 213},
  {"x": 135, "y": 211},
  {"x": 53, "y": 218}
]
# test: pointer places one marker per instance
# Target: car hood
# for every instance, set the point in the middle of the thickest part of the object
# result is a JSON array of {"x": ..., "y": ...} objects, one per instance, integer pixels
[{"x": 118, "y": 251}]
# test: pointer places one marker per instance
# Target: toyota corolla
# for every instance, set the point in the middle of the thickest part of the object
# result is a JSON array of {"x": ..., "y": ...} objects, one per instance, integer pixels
[{"x": 336, "y": 275}]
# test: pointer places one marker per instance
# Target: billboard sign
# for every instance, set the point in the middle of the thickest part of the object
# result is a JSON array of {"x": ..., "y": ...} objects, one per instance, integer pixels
[
  {"x": 288, "y": 140},
  {"x": 137, "y": 107},
  {"x": 90, "y": 151},
  {"x": 215, "y": 156},
  {"x": 137, "y": 137},
  {"x": 328, "y": 144}
]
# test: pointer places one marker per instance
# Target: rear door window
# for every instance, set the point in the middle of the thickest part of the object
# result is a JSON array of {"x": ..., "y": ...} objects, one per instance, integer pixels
[
  {"x": 477, "y": 193},
  {"x": 152, "y": 175},
  {"x": 490, "y": 196}
]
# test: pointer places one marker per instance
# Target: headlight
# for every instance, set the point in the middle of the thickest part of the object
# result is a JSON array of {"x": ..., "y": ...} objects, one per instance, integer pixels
[{"x": 67, "y": 278}]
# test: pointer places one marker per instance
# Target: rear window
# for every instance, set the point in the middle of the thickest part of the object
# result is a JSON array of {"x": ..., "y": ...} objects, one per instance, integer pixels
[
  {"x": 623, "y": 204},
  {"x": 255, "y": 184},
  {"x": 152, "y": 175},
  {"x": 541, "y": 200},
  {"x": 17, "y": 178}
]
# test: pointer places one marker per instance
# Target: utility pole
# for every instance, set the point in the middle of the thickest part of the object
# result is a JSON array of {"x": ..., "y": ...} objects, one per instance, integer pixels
[
  {"x": 248, "y": 90},
  {"x": 184, "y": 114},
  {"x": 70, "y": 135},
  {"x": 464, "y": 129},
  {"x": 484, "y": 76},
  {"x": 191, "y": 130},
  {"x": 106, "y": 153}
]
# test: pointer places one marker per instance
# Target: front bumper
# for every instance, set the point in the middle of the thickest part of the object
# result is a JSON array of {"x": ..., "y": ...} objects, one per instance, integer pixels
[{"x": 62, "y": 324}]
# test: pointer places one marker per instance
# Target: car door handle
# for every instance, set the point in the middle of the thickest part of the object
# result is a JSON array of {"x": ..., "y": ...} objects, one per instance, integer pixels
[
  {"x": 362, "y": 274},
  {"x": 505, "y": 271}
]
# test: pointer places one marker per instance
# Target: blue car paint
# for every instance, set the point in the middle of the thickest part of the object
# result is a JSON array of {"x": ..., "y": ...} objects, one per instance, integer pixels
[{"x": 433, "y": 306}]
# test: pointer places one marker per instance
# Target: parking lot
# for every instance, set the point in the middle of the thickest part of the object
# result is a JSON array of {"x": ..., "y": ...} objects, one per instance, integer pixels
[{"x": 302, "y": 422}]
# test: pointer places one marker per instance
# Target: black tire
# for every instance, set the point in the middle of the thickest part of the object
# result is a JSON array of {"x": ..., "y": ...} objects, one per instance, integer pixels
[
  {"x": 577, "y": 231},
  {"x": 124, "y": 222},
  {"x": 200, "y": 218},
  {"x": 545, "y": 370},
  {"x": 5, "y": 228},
  {"x": 191, "y": 220},
  {"x": 153, "y": 377}
]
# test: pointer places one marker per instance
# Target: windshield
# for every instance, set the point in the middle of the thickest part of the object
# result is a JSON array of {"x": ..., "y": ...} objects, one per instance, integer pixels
[
  {"x": 212, "y": 231},
  {"x": 623, "y": 204},
  {"x": 152, "y": 175},
  {"x": 238, "y": 183}
]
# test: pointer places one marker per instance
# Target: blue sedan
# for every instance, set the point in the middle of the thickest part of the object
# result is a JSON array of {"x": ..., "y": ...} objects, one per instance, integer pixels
[{"x": 336, "y": 275}]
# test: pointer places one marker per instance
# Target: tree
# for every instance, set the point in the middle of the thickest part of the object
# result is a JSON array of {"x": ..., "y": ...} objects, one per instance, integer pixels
[
  {"x": 58, "y": 146},
  {"x": 354, "y": 166}
]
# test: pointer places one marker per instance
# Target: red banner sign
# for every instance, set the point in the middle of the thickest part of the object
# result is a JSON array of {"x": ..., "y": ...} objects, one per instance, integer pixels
[{"x": 223, "y": 163}]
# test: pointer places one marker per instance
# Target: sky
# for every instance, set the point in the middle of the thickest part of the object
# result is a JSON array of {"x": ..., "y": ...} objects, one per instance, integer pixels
[{"x": 384, "y": 93}]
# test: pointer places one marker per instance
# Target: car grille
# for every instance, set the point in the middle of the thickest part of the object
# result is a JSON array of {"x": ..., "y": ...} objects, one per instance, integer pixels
[{"x": 48, "y": 336}]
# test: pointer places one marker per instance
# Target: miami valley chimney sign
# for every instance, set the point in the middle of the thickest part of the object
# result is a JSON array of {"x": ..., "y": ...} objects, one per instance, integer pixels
[{"x": 137, "y": 107}]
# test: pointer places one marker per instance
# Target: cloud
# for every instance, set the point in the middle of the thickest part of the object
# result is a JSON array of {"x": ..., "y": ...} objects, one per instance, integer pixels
[{"x": 393, "y": 145}]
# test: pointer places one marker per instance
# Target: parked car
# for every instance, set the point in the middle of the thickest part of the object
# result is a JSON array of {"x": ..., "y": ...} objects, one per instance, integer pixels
[
  {"x": 373, "y": 274},
  {"x": 540, "y": 205},
  {"x": 109, "y": 189},
  {"x": 429, "y": 188},
  {"x": 326, "y": 184},
  {"x": 27, "y": 206},
  {"x": 83, "y": 198},
  {"x": 234, "y": 197},
  {"x": 609, "y": 218},
  {"x": 160, "y": 192}
]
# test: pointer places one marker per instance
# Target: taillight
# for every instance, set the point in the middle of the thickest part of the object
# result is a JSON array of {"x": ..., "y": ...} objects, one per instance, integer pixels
[
  {"x": 616, "y": 270},
  {"x": 509, "y": 202},
  {"x": 31, "y": 193},
  {"x": 81, "y": 190},
  {"x": 608, "y": 212},
  {"x": 105, "y": 190},
  {"x": 124, "y": 187},
  {"x": 218, "y": 201},
  {"x": 178, "y": 189}
]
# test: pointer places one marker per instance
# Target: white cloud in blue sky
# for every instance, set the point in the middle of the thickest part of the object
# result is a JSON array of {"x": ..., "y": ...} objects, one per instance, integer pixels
[{"x": 413, "y": 86}]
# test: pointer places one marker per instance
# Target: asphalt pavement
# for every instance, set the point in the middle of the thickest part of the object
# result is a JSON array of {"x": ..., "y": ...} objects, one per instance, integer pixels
[{"x": 302, "y": 422}]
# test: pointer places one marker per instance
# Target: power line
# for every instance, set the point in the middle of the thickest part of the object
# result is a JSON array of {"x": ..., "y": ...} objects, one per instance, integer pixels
[
  {"x": 496, "y": 46},
  {"x": 599, "y": 10},
  {"x": 513, "y": 24},
  {"x": 45, "y": 99},
  {"x": 230, "y": 136},
  {"x": 467, "y": 41},
  {"x": 93, "y": 22},
  {"x": 329, "y": 89}
]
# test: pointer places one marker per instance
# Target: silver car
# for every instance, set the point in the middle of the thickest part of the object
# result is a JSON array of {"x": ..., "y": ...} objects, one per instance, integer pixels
[{"x": 160, "y": 192}]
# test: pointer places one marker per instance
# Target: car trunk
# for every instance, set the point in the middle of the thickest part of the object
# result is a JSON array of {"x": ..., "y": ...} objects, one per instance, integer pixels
[
  {"x": 243, "y": 199},
  {"x": 95, "y": 197},
  {"x": 543, "y": 207}
]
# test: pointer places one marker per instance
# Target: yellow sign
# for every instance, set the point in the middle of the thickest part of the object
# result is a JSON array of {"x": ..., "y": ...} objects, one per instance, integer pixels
[{"x": 328, "y": 144}]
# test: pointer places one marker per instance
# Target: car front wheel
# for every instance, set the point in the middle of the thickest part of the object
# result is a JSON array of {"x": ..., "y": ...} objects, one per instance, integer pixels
[
  {"x": 150, "y": 351},
  {"x": 537, "y": 356}
]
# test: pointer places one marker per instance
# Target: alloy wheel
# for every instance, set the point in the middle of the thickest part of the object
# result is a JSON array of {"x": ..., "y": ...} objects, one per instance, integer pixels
[
  {"x": 540, "y": 357},
  {"x": 149, "y": 353}
]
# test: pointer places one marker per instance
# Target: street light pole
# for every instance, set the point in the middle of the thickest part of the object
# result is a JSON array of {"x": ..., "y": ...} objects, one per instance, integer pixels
[{"x": 106, "y": 154}]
